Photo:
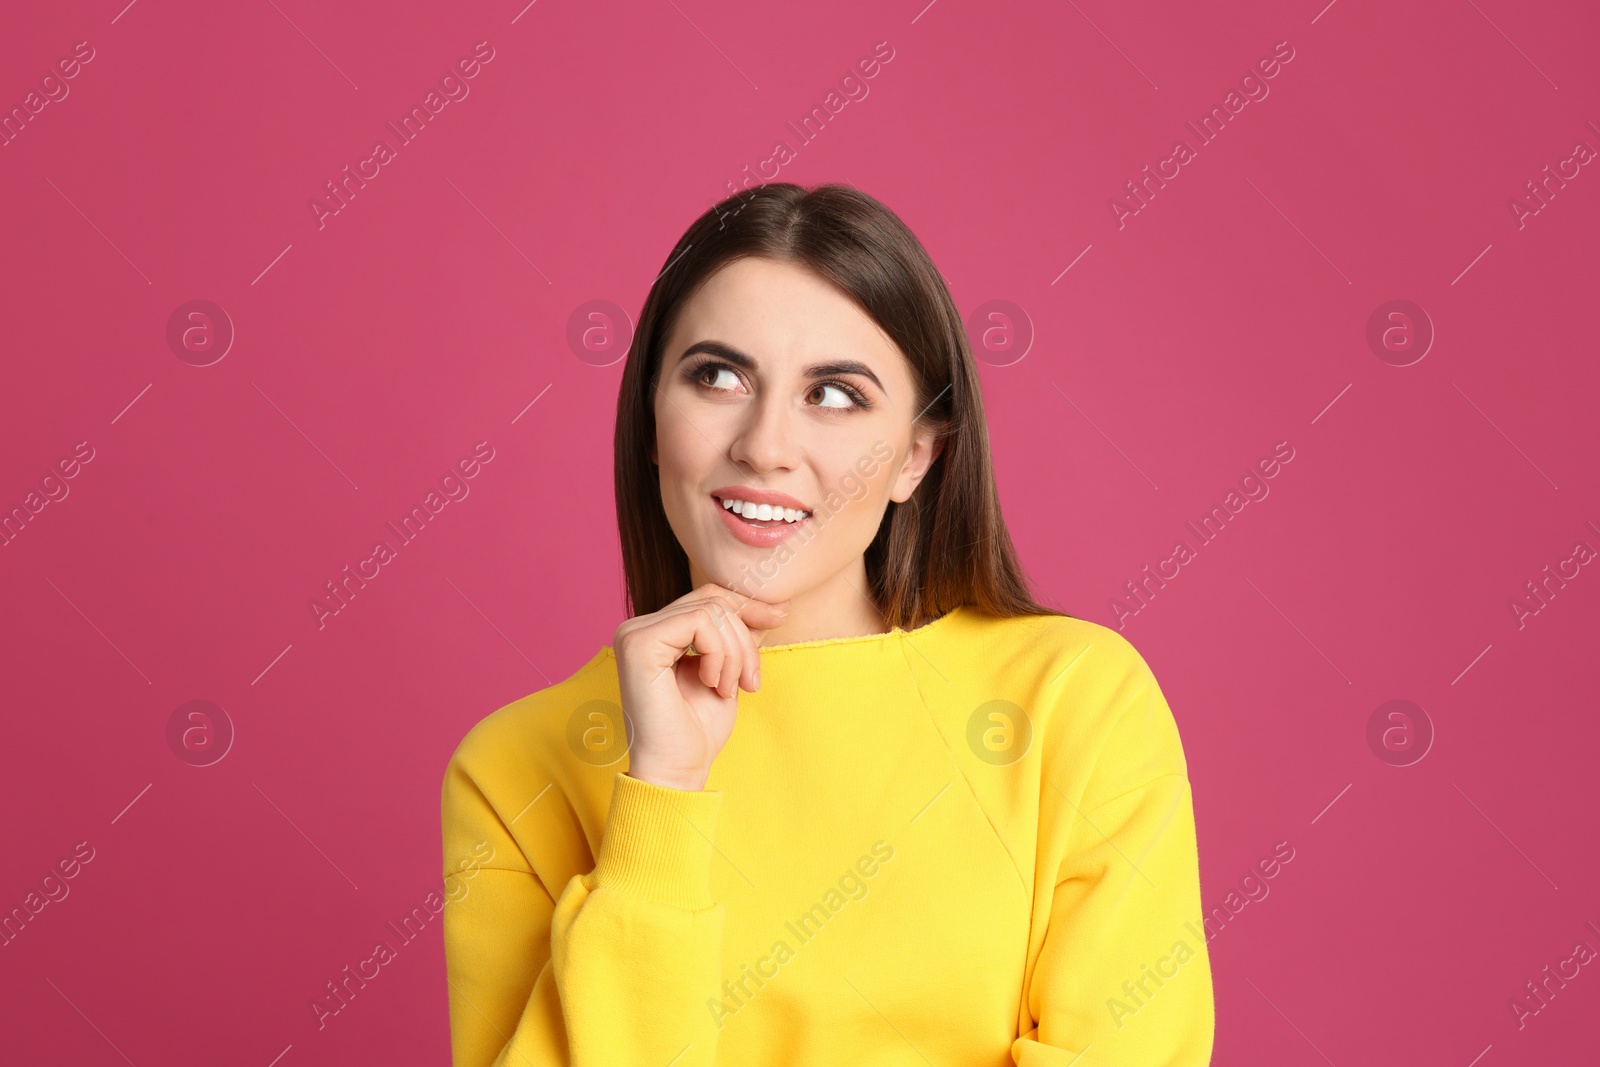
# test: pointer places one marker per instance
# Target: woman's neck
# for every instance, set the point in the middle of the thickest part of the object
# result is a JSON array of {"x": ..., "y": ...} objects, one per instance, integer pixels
[{"x": 838, "y": 607}]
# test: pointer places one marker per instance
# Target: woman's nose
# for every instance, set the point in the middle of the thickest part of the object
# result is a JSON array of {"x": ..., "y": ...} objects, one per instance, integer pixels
[{"x": 766, "y": 439}]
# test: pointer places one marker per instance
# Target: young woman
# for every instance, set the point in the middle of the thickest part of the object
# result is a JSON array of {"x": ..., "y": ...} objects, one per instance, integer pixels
[{"x": 840, "y": 792}]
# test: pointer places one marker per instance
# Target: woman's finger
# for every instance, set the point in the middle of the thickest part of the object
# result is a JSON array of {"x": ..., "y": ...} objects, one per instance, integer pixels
[
  {"x": 752, "y": 657},
  {"x": 727, "y": 626},
  {"x": 701, "y": 623},
  {"x": 670, "y": 632}
]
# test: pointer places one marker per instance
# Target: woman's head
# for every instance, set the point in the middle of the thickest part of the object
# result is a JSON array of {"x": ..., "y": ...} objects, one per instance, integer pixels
[{"x": 801, "y": 344}]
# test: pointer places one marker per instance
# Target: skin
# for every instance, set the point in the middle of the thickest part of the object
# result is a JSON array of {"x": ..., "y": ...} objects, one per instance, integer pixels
[{"x": 776, "y": 426}]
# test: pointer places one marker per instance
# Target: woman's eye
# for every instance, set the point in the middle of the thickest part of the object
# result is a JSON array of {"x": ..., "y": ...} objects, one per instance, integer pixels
[
  {"x": 847, "y": 400},
  {"x": 716, "y": 382}
]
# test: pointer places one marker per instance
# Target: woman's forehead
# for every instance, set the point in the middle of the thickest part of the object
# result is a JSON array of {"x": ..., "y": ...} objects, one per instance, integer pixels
[{"x": 783, "y": 315}]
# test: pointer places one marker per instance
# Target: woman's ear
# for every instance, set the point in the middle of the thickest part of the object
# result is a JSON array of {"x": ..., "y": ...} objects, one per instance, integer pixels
[{"x": 926, "y": 447}]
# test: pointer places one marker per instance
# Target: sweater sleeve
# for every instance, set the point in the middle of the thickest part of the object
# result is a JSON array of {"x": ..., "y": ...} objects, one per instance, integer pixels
[
  {"x": 1124, "y": 976},
  {"x": 616, "y": 966}
]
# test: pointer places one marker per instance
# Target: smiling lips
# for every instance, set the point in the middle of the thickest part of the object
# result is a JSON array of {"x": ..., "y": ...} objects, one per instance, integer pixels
[{"x": 759, "y": 517}]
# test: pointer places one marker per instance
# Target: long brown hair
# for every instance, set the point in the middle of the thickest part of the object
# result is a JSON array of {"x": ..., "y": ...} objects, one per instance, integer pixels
[{"x": 945, "y": 546}]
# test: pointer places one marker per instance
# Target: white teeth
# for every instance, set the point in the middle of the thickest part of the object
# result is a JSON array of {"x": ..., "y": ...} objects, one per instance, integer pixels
[{"x": 763, "y": 512}]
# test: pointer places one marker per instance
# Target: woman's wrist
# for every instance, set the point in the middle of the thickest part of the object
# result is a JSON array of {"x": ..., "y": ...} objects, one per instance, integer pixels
[{"x": 694, "y": 781}]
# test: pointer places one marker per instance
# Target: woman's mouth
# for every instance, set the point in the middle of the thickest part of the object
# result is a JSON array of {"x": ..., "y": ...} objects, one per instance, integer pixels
[{"x": 760, "y": 524}]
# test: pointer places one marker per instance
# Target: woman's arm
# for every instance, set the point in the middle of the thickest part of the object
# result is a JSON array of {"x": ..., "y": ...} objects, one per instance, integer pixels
[
  {"x": 1124, "y": 976},
  {"x": 621, "y": 965},
  {"x": 616, "y": 969}
]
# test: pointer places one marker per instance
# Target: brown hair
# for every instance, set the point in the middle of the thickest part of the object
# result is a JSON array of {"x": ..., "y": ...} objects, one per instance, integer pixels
[{"x": 945, "y": 546}]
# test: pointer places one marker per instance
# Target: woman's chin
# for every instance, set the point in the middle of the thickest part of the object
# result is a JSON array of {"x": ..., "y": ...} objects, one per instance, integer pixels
[{"x": 742, "y": 569}]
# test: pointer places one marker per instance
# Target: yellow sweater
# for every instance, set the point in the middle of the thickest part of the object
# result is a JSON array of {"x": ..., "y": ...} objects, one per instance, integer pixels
[{"x": 968, "y": 844}]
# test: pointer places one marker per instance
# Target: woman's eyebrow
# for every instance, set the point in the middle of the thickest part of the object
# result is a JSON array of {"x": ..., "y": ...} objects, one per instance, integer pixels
[{"x": 815, "y": 370}]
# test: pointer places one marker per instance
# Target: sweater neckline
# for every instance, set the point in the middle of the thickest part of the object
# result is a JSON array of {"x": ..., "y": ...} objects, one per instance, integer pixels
[
  {"x": 895, "y": 631},
  {"x": 795, "y": 646}
]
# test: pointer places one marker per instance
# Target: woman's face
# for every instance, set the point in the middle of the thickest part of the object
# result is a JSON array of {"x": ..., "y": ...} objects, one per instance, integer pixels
[{"x": 773, "y": 382}]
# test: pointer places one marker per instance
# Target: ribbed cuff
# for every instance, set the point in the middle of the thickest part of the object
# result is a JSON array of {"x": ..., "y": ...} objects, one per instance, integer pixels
[{"x": 658, "y": 843}]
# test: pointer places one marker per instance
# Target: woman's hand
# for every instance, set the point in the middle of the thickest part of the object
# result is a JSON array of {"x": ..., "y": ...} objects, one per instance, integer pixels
[{"x": 682, "y": 707}]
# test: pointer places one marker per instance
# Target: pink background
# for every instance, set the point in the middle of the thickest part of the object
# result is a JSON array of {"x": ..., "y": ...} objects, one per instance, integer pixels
[{"x": 373, "y": 352}]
